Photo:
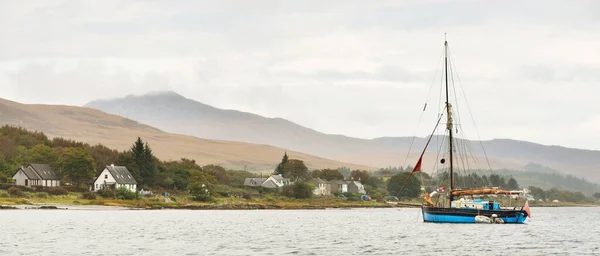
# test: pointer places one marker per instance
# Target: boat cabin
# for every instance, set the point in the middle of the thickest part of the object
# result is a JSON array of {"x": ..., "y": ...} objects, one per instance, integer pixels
[{"x": 475, "y": 204}]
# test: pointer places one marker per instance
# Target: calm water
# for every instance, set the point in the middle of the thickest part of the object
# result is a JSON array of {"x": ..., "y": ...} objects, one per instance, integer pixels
[{"x": 552, "y": 231}]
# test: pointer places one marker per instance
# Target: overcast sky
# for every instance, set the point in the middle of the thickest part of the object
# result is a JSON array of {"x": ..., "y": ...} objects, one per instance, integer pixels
[{"x": 530, "y": 69}]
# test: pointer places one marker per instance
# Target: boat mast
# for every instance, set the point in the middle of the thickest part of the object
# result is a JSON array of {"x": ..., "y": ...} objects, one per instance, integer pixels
[{"x": 449, "y": 123}]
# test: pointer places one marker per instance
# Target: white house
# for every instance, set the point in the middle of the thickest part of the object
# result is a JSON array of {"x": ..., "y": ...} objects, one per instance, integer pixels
[
  {"x": 113, "y": 177},
  {"x": 36, "y": 175},
  {"x": 322, "y": 187},
  {"x": 338, "y": 186},
  {"x": 356, "y": 187},
  {"x": 273, "y": 181}
]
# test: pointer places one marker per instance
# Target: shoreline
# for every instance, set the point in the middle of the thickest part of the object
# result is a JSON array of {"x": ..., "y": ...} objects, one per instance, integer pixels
[{"x": 231, "y": 206}]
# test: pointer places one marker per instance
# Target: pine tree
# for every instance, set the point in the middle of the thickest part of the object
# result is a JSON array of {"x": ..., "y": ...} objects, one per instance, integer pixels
[
  {"x": 138, "y": 154},
  {"x": 149, "y": 170},
  {"x": 279, "y": 169},
  {"x": 512, "y": 184}
]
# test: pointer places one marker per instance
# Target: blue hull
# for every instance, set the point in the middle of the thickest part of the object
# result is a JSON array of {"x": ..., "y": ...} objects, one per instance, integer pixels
[{"x": 453, "y": 215}]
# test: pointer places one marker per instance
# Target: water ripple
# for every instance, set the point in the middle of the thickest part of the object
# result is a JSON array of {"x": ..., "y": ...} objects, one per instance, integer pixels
[{"x": 553, "y": 231}]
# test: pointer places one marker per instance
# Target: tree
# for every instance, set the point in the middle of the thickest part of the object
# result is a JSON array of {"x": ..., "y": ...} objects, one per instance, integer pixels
[
  {"x": 173, "y": 178},
  {"x": 596, "y": 195},
  {"x": 327, "y": 174},
  {"x": 104, "y": 156},
  {"x": 497, "y": 181},
  {"x": 149, "y": 170},
  {"x": 43, "y": 154},
  {"x": 365, "y": 178},
  {"x": 218, "y": 172},
  {"x": 298, "y": 189},
  {"x": 78, "y": 165},
  {"x": 537, "y": 192},
  {"x": 144, "y": 163},
  {"x": 345, "y": 171},
  {"x": 137, "y": 153},
  {"x": 3, "y": 166},
  {"x": 512, "y": 184},
  {"x": 295, "y": 169},
  {"x": 199, "y": 191},
  {"x": 279, "y": 169},
  {"x": 200, "y": 176},
  {"x": 411, "y": 189}
]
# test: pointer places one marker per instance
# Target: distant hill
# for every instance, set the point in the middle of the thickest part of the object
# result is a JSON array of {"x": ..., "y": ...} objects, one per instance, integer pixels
[
  {"x": 94, "y": 126},
  {"x": 172, "y": 112}
]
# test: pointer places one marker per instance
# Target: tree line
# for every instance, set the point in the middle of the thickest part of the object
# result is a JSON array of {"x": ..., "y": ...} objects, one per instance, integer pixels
[{"x": 79, "y": 163}]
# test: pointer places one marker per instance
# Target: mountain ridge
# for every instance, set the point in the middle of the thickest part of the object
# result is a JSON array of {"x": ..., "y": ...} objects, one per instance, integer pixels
[
  {"x": 175, "y": 113},
  {"x": 160, "y": 93},
  {"x": 94, "y": 126}
]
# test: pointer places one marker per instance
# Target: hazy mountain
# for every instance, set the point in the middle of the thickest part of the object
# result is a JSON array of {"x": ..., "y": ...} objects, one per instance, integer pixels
[
  {"x": 172, "y": 112},
  {"x": 94, "y": 126}
]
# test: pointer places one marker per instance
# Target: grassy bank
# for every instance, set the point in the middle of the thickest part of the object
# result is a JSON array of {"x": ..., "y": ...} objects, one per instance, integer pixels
[
  {"x": 185, "y": 202},
  {"x": 563, "y": 204}
]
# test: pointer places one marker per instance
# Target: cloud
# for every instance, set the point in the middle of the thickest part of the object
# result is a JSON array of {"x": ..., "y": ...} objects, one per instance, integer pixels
[
  {"x": 347, "y": 67},
  {"x": 47, "y": 83}
]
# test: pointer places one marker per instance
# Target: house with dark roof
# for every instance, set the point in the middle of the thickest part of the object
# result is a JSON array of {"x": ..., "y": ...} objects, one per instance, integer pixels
[
  {"x": 113, "y": 177},
  {"x": 36, "y": 175}
]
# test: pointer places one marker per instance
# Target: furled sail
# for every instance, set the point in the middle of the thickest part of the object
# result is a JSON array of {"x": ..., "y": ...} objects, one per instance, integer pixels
[{"x": 482, "y": 191}]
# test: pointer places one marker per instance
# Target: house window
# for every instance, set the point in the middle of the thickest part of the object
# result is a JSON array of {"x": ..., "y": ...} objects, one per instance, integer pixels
[
  {"x": 26, "y": 182},
  {"x": 105, "y": 176}
]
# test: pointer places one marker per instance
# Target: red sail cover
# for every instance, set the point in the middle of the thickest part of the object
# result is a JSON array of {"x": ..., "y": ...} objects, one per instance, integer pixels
[
  {"x": 418, "y": 166},
  {"x": 526, "y": 208}
]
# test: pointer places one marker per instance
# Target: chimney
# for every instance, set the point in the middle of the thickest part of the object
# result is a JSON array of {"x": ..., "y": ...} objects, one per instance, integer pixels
[{"x": 112, "y": 165}]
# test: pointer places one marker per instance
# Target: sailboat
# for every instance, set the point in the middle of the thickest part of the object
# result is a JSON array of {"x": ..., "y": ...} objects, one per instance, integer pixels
[{"x": 466, "y": 204}]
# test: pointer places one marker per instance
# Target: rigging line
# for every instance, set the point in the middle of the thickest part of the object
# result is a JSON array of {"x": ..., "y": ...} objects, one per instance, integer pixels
[
  {"x": 440, "y": 108},
  {"x": 421, "y": 157},
  {"x": 461, "y": 139},
  {"x": 472, "y": 118},
  {"x": 422, "y": 112},
  {"x": 438, "y": 175},
  {"x": 456, "y": 140},
  {"x": 435, "y": 166},
  {"x": 458, "y": 116},
  {"x": 464, "y": 147},
  {"x": 475, "y": 161},
  {"x": 468, "y": 150}
]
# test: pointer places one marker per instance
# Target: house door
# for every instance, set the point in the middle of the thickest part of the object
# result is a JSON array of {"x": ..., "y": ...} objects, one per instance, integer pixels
[{"x": 26, "y": 182}]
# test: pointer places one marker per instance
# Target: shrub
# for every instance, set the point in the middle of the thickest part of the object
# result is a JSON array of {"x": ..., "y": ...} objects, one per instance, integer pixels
[
  {"x": 299, "y": 189},
  {"x": 124, "y": 193},
  {"x": 80, "y": 189},
  {"x": 199, "y": 191},
  {"x": 106, "y": 193},
  {"x": 247, "y": 196},
  {"x": 88, "y": 195},
  {"x": 15, "y": 191},
  {"x": 56, "y": 191},
  {"x": 4, "y": 193},
  {"x": 41, "y": 195},
  {"x": 22, "y": 188}
]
